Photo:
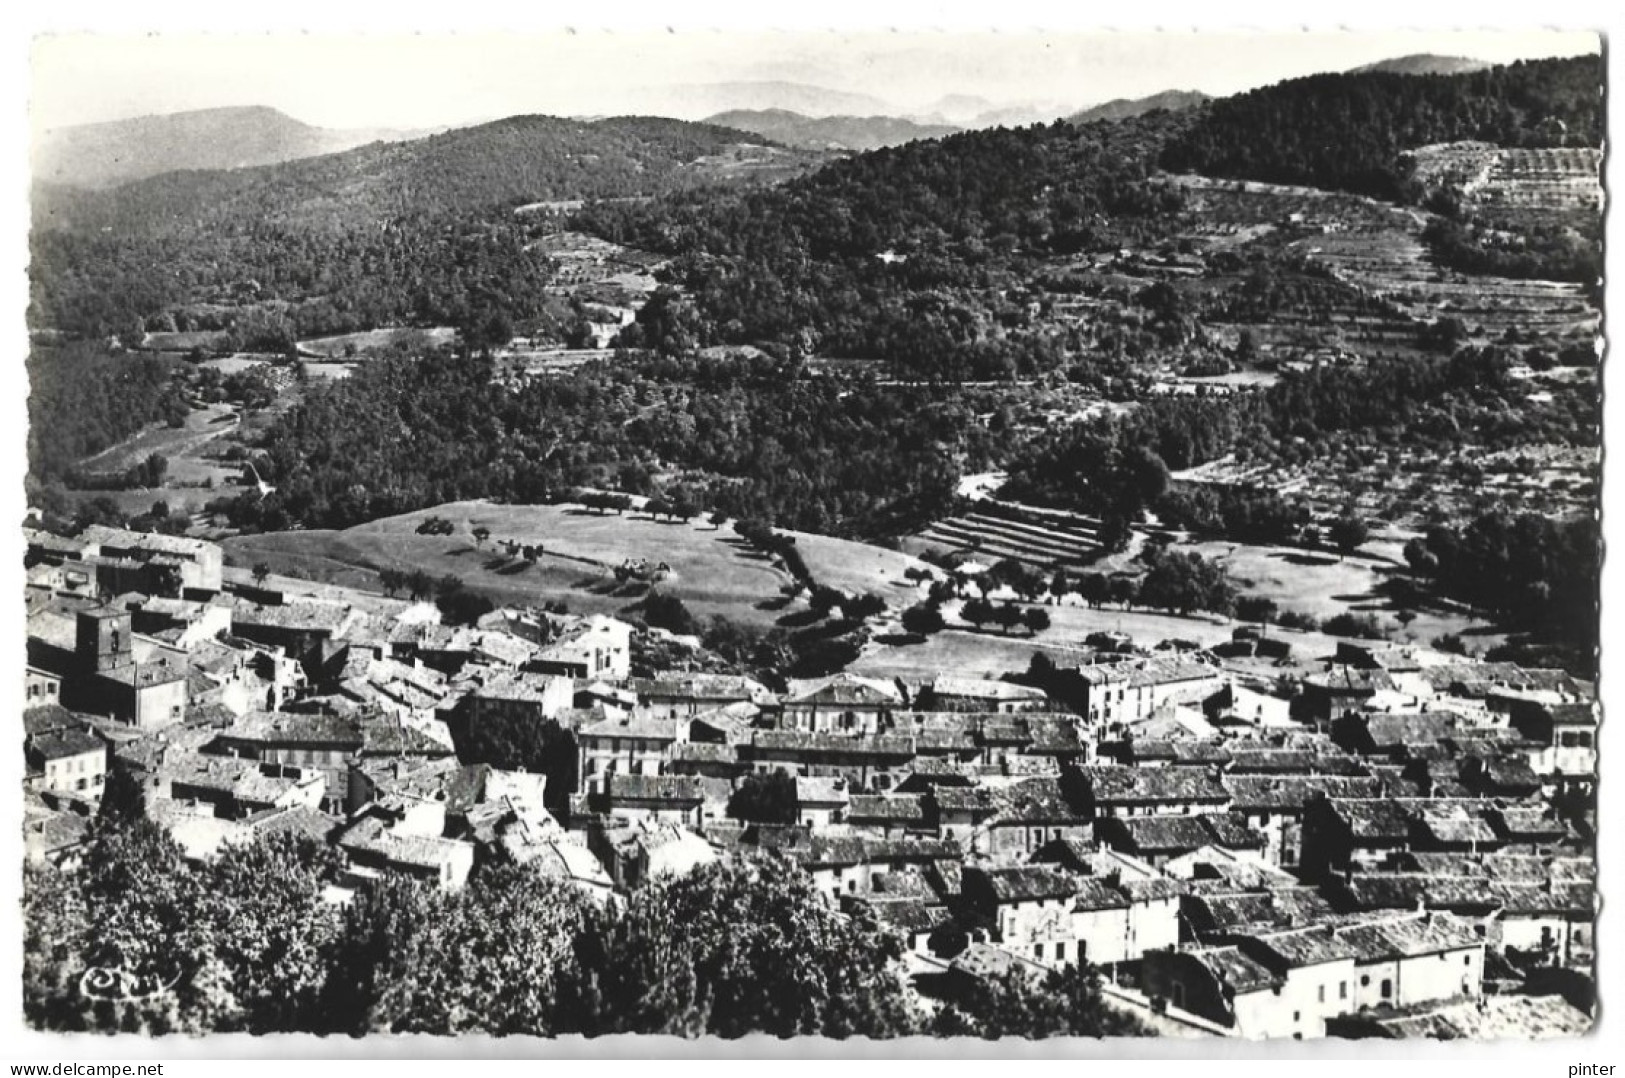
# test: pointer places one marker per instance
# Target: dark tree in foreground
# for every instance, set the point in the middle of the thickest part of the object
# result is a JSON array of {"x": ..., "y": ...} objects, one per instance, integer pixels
[
  {"x": 519, "y": 744},
  {"x": 662, "y": 610},
  {"x": 391, "y": 580},
  {"x": 923, "y": 619},
  {"x": 769, "y": 798},
  {"x": 1065, "y": 1003},
  {"x": 139, "y": 940},
  {"x": 124, "y": 800},
  {"x": 745, "y": 946},
  {"x": 1347, "y": 533},
  {"x": 463, "y": 607},
  {"x": 977, "y": 611},
  {"x": 1255, "y": 608}
]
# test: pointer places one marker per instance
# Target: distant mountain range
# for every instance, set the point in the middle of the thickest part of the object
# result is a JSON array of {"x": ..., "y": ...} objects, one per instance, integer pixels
[
  {"x": 118, "y": 151},
  {"x": 797, "y": 115},
  {"x": 855, "y": 133},
  {"x": 693, "y": 101},
  {"x": 1423, "y": 63},
  {"x": 1123, "y": 108},
  {"x": 970, "y": 112}
]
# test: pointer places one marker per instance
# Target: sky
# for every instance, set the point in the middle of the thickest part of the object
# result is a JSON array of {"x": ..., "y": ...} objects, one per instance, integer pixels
[{"x": 429, "y": 80}]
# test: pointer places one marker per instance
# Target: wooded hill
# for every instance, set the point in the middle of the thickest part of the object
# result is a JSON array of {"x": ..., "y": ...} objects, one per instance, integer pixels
[
  {"x": 410, "y": 233},
  {"x": 1349, "y": 132},
  {"x": 492, "y": 166}
]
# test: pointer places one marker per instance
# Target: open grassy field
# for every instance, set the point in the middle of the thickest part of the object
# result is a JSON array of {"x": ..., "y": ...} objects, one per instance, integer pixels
[
  {"x": 858, "y": 567},
  {"x": 953, "y": 651},
  {"x": 189, "y": 449},
  {"x": 375, "y": 340},
  {"x": 1323, "y": 586},
  {"x": 712, "y": 570},
  {"x": 990, "y": 653}
]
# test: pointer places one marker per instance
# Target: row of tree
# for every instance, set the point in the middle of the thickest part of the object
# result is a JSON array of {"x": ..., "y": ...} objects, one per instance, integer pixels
[{"x": 142, "y": 941}]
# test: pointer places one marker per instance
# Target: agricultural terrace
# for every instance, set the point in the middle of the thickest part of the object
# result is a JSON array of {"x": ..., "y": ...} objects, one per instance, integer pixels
[{"x": 1045, "y": 539}]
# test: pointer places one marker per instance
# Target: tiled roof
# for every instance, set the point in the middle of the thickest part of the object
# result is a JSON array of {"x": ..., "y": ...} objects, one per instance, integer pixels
[
  {"x": 1144, "y": 673},
  {"x": 909, "y": 916},
  {"x": 703, "y": 752},
  {"x": 1033, "y": 800},
  {"x": 1271, "y": 761},
  {"x": 1292, "y": 792},
  {"x": 1178, "y": 834},
  {"x": 308, "y": 616},
  {"x": 857, "y": 849},
  {"x": 1096, "y": 894},
  {"x": 1199, "y": 752},
  {"x": 821, "y": 744},
  {"x": 700, "y": 688},
  {"x": 278, "y": 727},
  {"x": 899, "y": 808},
  {"x": 123, "y": 539},
  {"x": 1536, "y": 822},
  {"x": 1408, "y": 937},
  {"x": 1257, "y": 910},
  {"x": 818, "y": 790},
  {"x": 371, "y": 835},
  {"x": 1234, "y": 970},
  {"x": 1135, "y": 784},
  {"x": 1057, "y": 735},
  {"x": 1296, "y": 948},
  {"x": 48, "y": 717},
  {"x": 1023, "y": 883},
  {"x": 517, "y": 686},
  {"x": 1468, "y": 894},
  {"x": 295, "y": 820},
  {"x": 1351, "y": 679},
  {"x": 63, "y": 744},
  {"x": 1368, "y": 819},
  {"x": 842, "y": 690},
  {"x": 986, "y": 962},
  {"x": 144, "y": 675},
  {"x": 1151, "y": 888},
  {"x": 670, "y": 788},
  {"x": 644, "y": 727},
  {"x": 1489, "y": 1018},
  {"x": 1454, "y": 825},
  {"x": 1397, "y": 730}
]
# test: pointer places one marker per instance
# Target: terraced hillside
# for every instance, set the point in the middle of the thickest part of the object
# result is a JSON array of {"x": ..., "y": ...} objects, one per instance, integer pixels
[
  {"x": 1509, "y": 183},
  {"x": 1064, "y": 539},
  {"x": 1378, "y": 249}
]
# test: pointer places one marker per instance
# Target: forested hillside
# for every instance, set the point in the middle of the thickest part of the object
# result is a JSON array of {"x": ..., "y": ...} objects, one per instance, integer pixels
[
  {"x": 747, "y": 437},
  {"x": 901, "y": 254},
  {"x": 413, "y": 232},
  {"x": 82, "y": 399},
  {"x": 1349, "y": 132},
  {"x": 495, "y": 165}
]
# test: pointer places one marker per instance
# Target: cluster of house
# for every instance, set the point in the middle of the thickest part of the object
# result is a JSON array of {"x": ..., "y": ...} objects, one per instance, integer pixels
[{"x": 1383, "y": 842}]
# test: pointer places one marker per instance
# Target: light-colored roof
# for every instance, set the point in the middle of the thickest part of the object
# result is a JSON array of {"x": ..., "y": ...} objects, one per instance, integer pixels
[
  {"x": 123, "y": 539},
  {"x": 1490, "y": 1018}
]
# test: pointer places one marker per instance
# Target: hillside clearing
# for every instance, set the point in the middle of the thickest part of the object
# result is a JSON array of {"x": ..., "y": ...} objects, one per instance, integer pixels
[{"x": 712, "y": 570}]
